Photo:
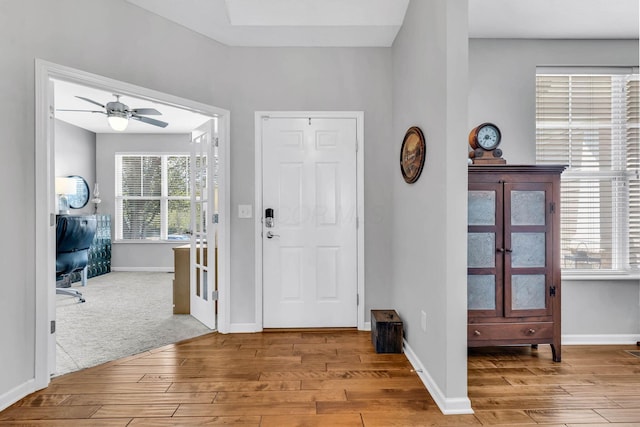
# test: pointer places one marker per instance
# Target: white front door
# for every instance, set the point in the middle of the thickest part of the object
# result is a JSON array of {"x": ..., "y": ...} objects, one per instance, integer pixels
[
  {"x": 204, "y": 169},
  {"x": 310, "y": 262}
]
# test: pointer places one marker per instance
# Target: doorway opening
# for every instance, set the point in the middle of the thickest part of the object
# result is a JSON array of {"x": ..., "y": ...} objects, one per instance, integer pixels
[{"x": 48, "y": 75}]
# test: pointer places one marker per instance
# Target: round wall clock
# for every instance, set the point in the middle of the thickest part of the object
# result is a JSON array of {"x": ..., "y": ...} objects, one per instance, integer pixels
[
  {"x": 412, "y": 154},
  {"x": 81, "y": 198}
]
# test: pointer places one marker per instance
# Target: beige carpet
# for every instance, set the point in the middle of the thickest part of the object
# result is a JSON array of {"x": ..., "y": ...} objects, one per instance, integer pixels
[{"x": 125, "y": 313}]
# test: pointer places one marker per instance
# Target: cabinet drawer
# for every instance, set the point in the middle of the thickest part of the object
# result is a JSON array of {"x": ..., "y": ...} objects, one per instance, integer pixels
[{"x": 509, "y": 331}]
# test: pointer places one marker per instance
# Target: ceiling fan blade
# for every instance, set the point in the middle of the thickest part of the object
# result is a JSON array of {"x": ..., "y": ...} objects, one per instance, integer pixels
[
  {"x": 90, "y": 100},
  {"x": 149, "y": 120},
  {"x": 82, "y": 111},
  {"x": 147, "y": 111}
]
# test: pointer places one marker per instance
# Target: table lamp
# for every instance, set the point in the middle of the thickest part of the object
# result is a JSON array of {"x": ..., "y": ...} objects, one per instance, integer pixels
[{"x": 64, "y": 187}]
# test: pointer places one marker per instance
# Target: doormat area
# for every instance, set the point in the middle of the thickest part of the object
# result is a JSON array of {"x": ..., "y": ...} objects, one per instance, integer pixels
[{"x": 634, "y": 353}]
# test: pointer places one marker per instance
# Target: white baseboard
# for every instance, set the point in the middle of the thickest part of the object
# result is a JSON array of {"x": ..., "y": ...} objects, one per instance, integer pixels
[
  {"x": 12, "y": 396},
  {"x": 151, "y": 269},
  {"x": 448, "y": 406},
  {"x": 244, "y": 328},
  {"x": 607, "y": 339},
  {"x": 250, "y": 328}
]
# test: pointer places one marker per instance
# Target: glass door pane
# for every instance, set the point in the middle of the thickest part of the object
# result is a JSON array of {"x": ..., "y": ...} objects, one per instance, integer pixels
[{"x": 481, "y": 292}]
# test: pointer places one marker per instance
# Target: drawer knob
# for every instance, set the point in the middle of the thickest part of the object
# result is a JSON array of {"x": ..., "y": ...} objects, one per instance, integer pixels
[
  {"x": 476, "y": 333},
  {"x": 531, "y": 331}
]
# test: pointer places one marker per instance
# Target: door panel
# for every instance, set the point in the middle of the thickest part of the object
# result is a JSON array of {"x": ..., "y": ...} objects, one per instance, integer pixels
[
  {"x": 310, "y": 260},
  {"x": 203, "y": 209},
  {"x": 528, "y": 253},
  {"x": 291, "y": 274},
  {"x": 327, "y": 261},
  {"x": 484, "y": 262}
]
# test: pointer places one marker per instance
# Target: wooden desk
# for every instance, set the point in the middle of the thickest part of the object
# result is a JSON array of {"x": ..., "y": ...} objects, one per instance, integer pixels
[{"x": 182, "y": 278}]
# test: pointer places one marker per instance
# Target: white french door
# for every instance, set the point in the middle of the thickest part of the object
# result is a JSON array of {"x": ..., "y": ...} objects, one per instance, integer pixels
[
  {"x": 204, "y": 214},
  {"x": 309, "y": 227}
]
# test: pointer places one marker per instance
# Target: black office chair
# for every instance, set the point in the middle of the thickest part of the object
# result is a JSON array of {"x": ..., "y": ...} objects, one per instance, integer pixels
[{"x": 74, "y": 234}]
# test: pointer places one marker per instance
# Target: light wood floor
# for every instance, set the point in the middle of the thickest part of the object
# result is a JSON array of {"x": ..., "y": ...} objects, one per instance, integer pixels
[{"x": 333, "y": 379}]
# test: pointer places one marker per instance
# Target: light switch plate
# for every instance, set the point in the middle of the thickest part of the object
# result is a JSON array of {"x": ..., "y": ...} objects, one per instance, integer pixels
[{"x": 244, "y": 211}]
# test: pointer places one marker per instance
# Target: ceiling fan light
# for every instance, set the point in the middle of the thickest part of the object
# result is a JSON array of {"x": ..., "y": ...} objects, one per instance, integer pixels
[{"x": 118, "y": 122}]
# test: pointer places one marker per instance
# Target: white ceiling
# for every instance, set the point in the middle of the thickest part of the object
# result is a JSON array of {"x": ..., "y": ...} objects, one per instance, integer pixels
[
  {"x": 376, "y": 22},
  {"x": 554, "y": 19},
  {"x": 336, "y": 23},
  {"x": 306, "y": 23}
]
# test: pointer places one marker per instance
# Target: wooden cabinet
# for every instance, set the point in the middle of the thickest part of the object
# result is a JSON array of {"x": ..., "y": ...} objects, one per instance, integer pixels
[{"x": 513, "y": 247}]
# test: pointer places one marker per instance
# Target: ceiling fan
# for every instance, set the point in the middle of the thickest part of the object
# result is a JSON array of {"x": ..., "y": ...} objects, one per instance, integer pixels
[{"x": 118, "y": 114}]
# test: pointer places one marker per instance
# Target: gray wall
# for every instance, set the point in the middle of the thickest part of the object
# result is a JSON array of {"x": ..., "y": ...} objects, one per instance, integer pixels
[
  {"x": 169, "y": 58},
  {"x": 311, "y": 79},
  {"x": 429, "y": 217},
  {"x": 502, "y": 90},
  {"x": 75, "y": 154},
  {"x": 137, "y": 256}
]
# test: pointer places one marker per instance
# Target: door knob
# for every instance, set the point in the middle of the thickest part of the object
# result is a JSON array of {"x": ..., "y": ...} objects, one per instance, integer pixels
[{"x": 270, "y": 235}]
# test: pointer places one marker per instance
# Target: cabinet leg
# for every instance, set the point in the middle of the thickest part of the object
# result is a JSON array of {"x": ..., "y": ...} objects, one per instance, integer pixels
[
  {"x": 555, "y": 350},
  {"x": 534, "y": 346}
]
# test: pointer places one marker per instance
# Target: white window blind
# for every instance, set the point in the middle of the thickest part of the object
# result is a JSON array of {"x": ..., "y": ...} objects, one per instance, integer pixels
[
  {"x": 152, "y": 197},
  {"x": 589, "y": 122}
]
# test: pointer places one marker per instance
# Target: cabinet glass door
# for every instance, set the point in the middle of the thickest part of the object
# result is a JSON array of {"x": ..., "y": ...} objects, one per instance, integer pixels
[
  {"x": 527, "y": 249},
  {"x": 484, "y": 283}
]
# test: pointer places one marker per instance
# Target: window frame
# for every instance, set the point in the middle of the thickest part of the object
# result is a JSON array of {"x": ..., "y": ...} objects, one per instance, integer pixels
[
  {"x": 620, "y": 229},
  {"x": 164, "y": 198}
]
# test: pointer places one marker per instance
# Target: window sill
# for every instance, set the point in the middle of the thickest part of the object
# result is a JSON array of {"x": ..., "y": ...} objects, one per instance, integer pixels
[{"x": 589, "y": 276}]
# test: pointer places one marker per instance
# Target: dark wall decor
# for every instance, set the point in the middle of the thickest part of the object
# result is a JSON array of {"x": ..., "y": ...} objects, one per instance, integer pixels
[
  {"x": 412, "y": 154},
  {"x": 79, "y": 199}
]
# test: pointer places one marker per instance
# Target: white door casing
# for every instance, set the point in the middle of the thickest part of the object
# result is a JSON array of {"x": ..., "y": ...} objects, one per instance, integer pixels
[
  {"x": 45, "y": 297},
  {"x": 52, "y": 302},
  {"x": 310, "y": 262},
  {"x": 204, "y": 223}
]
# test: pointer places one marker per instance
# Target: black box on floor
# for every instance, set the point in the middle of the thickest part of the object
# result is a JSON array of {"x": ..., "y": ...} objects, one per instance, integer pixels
[{"x": 386, "y": 331}]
